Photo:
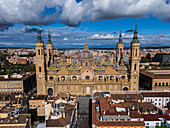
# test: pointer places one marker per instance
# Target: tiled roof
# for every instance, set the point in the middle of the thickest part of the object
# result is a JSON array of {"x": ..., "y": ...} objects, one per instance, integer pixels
[
  {"x": 155, "y": 94},
  {"x": 61, "y": 122}
]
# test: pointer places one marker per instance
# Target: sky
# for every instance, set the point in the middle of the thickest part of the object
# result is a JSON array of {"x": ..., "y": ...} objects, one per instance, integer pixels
[{"x": 74, "y": 22}]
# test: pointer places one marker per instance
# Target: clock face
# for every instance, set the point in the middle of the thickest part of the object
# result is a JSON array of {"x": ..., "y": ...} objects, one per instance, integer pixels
[{"x": 40, "y": 75}]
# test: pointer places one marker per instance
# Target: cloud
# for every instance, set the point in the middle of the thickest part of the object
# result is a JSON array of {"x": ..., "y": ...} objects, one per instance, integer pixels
[
  {"x": 27, "y": 12},
  {"x": 72, "y": 12},
  {"x": 65, "y": 39},
  {"x": 102, "y": 37},
  {"x": 76, "y": 39},
  {"x": 28, "y": 29},
  {"x": 129, "y": 31}
]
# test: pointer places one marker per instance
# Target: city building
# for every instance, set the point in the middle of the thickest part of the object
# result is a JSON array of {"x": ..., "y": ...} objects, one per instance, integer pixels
[
  {"x": 155, "y": 79},
  {"x": 157, "y": 120},
  {"x": 37, "y": 104},
  {"x": 61, "y": 111},
  {"x": 86, "y": 73},
  {"x": 22, "y": 60},
  {"x": 162, "y": 57},
  {"x": 14, "y": 113},
  {"x": 17, "y": 121},
  {"x": 18, "y": 85},
  {"x": 159, "y": 99},
  {"x": 107, "y": 112}
]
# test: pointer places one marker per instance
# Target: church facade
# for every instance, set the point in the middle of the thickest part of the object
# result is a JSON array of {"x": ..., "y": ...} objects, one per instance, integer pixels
[{"x": 88, "y": 73}]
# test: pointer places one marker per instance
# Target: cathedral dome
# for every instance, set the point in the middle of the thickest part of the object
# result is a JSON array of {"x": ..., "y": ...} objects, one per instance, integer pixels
[{"x": 86, "y": 55}]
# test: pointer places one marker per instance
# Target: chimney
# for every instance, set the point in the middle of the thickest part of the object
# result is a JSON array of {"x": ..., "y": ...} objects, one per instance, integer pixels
[
  {"x": 64, "y": 115},
  {"x": 133, "y": 108},
  {"x": 128, "y": 112}
]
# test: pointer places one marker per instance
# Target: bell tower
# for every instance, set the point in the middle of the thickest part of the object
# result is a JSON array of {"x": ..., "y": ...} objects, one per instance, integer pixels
[
  {"x": 40, "y": 64},
  {"x": 119, "y": 52},
  {"x": 49, "y": 48},
  {"x": 134, "y": 62}
]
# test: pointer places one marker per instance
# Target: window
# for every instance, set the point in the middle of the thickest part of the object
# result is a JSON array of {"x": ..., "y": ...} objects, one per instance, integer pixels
[
  {"x": 163, "y": 84},
  {"x": 123, "y": 77},
  {"x": 155, "y": 84},
  {"x": 136, "y": 52},
  {"x": 157, "y": 124},
  {"x": 63, "y": 78},
  {"x": 111, "y": 77},
  {"x": 87, "y": 77},
  {"x": 159, "y": 84},
  {"x": 167, "y": 84},
  {"x": 38, "y": 51},
  {"x": 41, "y": 51},
  {"x": 74, "y": 77},
  {"x": 86, "y": 64},
  {"x": 39, "y": 69},
  {"x": 100, "y": 77},
  {"x": 135, "y": 67},
  {"x": 51, "y": 78}
]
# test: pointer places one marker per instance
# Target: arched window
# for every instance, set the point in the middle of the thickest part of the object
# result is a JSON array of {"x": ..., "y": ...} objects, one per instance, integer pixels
[
  {"x": 50, "y": 91},
  {"x": 155, "y": 84},
  {"x": 38, "y": 51},
  {"x": 63, "y": 78},
  {"x": 41, "y": 51},
  {"x": 74, "y": 78},
  {"x": 86, "y": 64},
  {"x": 87, "y": 77},
  {"x": 167, "y": 84},
  {"x": 39, "y": 69},
  {"x": 125, "y": 89},
  {"x": 159, "y": 84},
  {"x": 100, "y": 77},
  {"x": 136, "y": 52},
  {"x": 111, "y": 77},
  {"x": 51, "y": 78},
  {"x": 135, "y": 67},
  {"x": 163, "y": 84}
]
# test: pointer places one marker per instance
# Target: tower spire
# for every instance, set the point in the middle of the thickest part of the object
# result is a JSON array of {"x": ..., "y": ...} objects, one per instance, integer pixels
[
  {"x": 135, "y": 37},
  {"x": 86, "y": 47},
  {"x": 120, "y": 38},
  {"x": 39, "y": 39},
  {"x": 49, "y": 38}
]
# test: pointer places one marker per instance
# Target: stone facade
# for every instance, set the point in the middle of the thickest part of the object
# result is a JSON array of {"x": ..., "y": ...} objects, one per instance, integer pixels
[{"x": 87, "y": 73}]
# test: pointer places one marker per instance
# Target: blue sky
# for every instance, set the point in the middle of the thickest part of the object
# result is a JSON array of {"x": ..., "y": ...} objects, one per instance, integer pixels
[{"x": 72, "y": 22}]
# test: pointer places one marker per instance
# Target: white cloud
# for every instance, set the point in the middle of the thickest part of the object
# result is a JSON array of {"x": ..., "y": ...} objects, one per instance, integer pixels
[
  {"x": 93, "y": 10},
  {"x": 110, "y": 36},
  {"x": 30, "y": 12},
  {"x": 65, "y": 39}
]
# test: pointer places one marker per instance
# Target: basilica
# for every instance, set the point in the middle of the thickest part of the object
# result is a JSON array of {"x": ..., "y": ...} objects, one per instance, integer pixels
[{"x": 87, "y": 73}]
